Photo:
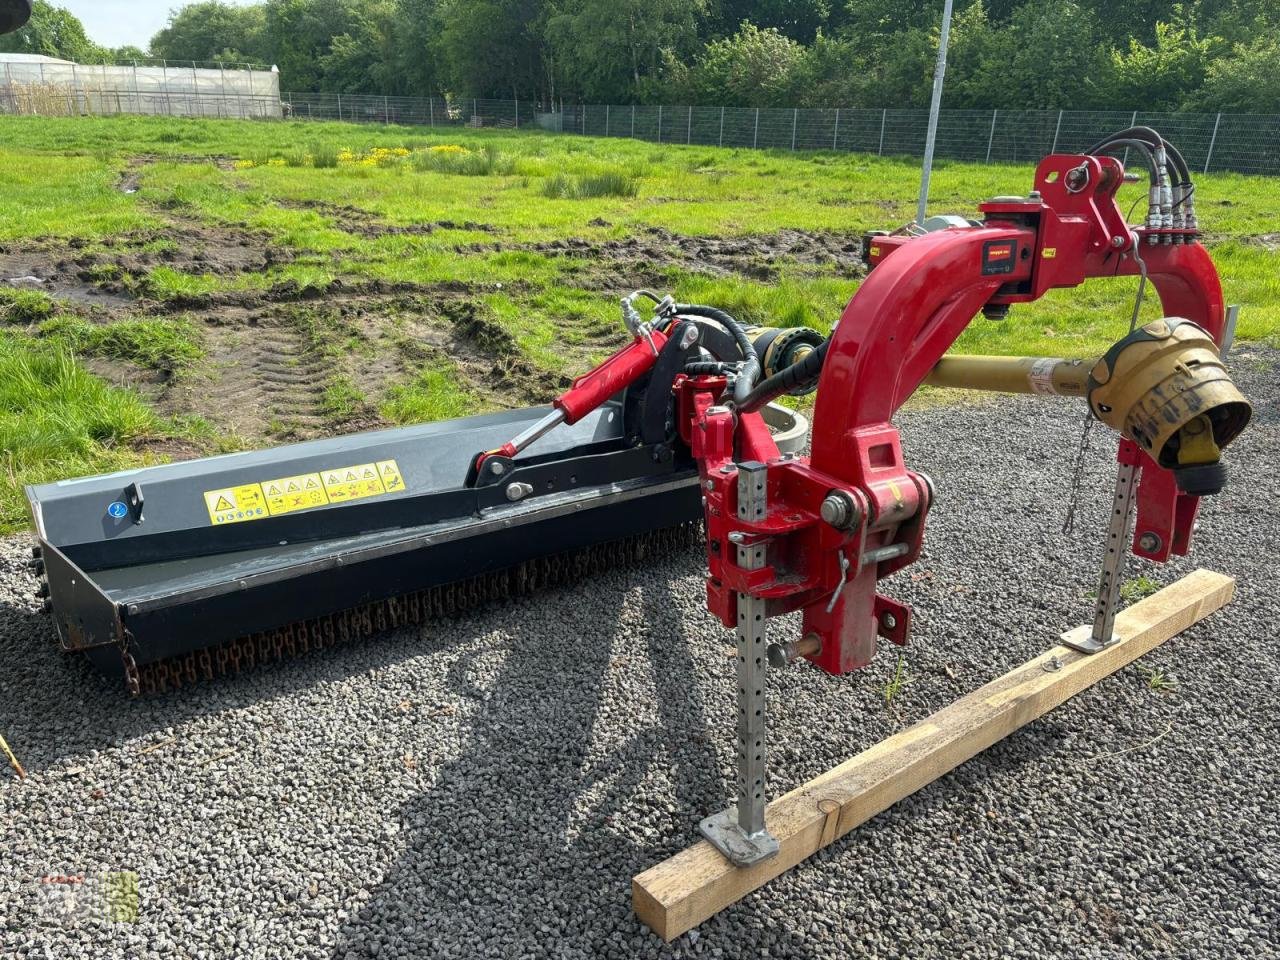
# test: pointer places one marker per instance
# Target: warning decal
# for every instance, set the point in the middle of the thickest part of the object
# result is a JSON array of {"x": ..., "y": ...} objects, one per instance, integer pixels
[
  {"x": 294, "y": 493},
  {"x": 235, "y": 504},
  {"x": 273, "y": 498}
]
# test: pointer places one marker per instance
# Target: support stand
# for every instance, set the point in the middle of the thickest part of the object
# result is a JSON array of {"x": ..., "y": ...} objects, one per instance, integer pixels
[
  {"x": 739, "y": 832},
  {"x": 1102, "y": 634}
]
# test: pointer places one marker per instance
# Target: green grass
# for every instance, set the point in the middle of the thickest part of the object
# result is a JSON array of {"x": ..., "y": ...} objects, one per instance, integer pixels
[
  {"x": 897, "y": 683},
  {"x": 436, "y": 394},
  {"x": 24, "y": 306},
  {"x": 57, "y": 420},
  {"x": 164, "y": 344},
  {"x": 1137, "y": 588}
]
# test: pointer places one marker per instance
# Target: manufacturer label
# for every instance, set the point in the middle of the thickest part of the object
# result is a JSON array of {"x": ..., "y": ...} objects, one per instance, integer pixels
[
  {"x": 273, "y": 498},
  {"x": 998, "y": 256},
  {"x": 1041, "y": 375}
]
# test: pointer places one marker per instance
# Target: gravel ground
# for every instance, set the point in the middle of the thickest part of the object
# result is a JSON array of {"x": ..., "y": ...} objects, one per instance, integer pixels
[{"x": 488, "y": 786}]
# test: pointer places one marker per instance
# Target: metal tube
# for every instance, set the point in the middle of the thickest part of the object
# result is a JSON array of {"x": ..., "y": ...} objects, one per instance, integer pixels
[
  {"x": 935, "y": 105},
  {"x": 537, "y": 430},
  {"x": 1051, "y": 376},
  {"x": 1212, "y": 140},
  {"x": 752, "y": 506}
]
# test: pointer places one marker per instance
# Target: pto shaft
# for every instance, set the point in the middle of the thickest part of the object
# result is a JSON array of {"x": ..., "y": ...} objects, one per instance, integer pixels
[{"x": 1043, "y": 375}]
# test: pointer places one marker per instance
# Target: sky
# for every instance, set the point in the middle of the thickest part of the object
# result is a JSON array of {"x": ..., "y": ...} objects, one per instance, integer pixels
[{"x": 113, "y": 23}]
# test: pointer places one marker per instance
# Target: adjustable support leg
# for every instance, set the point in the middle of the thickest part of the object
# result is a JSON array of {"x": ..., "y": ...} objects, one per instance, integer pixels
[
  {"x": 739, "y": 832},
  {"x": 1102, "y": 633}
]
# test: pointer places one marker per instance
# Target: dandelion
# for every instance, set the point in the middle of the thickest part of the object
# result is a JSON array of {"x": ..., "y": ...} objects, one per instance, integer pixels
[{"x": 242, "y": 164}]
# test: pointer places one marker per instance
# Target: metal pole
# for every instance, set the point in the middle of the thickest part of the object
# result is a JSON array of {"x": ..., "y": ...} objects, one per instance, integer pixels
[
  {"x": 755, "y": 136},
  {"x": 992, "y": 137},
  {"x": 1133, "y": 122},
  {"x": 688, "y": 132},
  {"x": 633, "y": 121},
  {"x": 722, "y": 126},
  {"x": 740, "y": 833},
  {"x": 795, "y": 122},
  {"x": 884, "y": 116},
  {"x": 659, "y": 123},
  {"x": 935, "y": 104},
  {"x": 1212, "y": 140},
  {"x": 606, "y": 119},
  {"x": 339, "y": 106},
  {"x": 1056, "y": 129},
  {"x": 431, "y": 110},
  {"x": 386, "y": 110},
  {"x": 518, "y": 114},
  {"x": 835, "y": 136}
]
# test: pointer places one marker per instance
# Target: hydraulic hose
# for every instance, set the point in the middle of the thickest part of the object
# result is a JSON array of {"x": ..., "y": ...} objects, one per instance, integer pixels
[
  {"x": 785, "y": 380},
  {"x": 750, "y": 371},
  {"x": 1153, "y": 138}
]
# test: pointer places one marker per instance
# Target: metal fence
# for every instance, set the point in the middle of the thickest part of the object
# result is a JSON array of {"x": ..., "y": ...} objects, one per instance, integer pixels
[{"x": 1225, "y": 142}]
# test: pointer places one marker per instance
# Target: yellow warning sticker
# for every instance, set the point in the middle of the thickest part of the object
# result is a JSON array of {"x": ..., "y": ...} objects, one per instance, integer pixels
[
  {"x": 294, "y": 493},
  {"x": 353, "y": 483},
  {"x": 273, "y": 498},
  {"x": 236, "y": 504},
  {"x": 389, "y": 473}
]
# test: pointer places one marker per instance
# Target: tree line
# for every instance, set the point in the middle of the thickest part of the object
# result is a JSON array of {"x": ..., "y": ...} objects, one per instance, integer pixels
[{"x": 1007, "y": 54}]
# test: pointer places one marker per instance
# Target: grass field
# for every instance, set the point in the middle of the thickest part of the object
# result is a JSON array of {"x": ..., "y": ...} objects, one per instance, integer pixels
[{"x": 210, "y": 285}]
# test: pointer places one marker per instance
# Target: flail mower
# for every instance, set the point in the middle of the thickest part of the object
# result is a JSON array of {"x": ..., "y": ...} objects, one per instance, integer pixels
[{"x": 171, "y": 573}]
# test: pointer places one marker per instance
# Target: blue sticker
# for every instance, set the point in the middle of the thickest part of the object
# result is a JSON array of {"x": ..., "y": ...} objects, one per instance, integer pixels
[{"x": 119, "y": 510}]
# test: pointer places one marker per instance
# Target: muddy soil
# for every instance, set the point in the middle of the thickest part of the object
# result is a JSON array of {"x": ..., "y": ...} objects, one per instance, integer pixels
[
  {"x": 653, "y": 249},
  {"x": 270, "y": 356}
]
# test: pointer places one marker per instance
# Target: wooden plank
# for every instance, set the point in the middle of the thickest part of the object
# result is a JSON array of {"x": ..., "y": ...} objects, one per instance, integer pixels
[{"x": 679, "y": 893}]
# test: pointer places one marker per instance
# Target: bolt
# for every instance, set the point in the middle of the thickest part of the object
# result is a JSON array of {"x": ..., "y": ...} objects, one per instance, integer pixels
[
  {"x": 711, "y": 484},
  {"x": 518, "y": 491},
  {"x": 1117, "y": 241},
  {"x": 1150, "y": 542},
  {"x": 1053, "y": 665},
  {"x": 737, "y": 537},
  {"x": 689, "y": 338},
  {"x": 838, "y": 510},
  {"x": 497, "y": 467},
  {"x": 889, "y": 621},
  {"x": 726, "y": 469}
]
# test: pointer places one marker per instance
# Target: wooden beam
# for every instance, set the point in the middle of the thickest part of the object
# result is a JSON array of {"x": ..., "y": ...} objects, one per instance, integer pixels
[{"x": 679, "y": 893}]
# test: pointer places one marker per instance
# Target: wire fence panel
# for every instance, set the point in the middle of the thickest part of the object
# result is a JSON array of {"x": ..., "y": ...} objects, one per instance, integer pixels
[{"x": 1223, "y": 142}]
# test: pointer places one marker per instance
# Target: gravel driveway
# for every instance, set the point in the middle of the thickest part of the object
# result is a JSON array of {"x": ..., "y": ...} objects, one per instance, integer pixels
[{"x": 488, "y": 786}]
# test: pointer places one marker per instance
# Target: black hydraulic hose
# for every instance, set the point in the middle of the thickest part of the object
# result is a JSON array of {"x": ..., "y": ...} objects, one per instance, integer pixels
[
  {"x": 1144, "y": 148},
  {"x": 798, "y": 374},
  {"x": 712, "y": 368},
  {"x": 750, "y": 371},
  {"x": 1175, "y": 155},
  {"x": 1153, "y": 139}
]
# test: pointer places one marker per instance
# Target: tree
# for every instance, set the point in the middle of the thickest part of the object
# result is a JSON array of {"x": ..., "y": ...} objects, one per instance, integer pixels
[
  {"x": 362, "y": 60},
  {"x": 299, "y": 35},
  {"x": 415, "y": 57},
  {"x": 1245, "y": 81},
  {"x": 1161, "y": 76},
  {"x": 205, "y": 31},
  {"x": 613, "y": 50},
  {"x": 127, "y": 53},
  {"x": 800, "y": 20},
  {"x": 491, "y": 48},
  {"x": 53, "y": 32},
  {"x": 753, "y": 68}
]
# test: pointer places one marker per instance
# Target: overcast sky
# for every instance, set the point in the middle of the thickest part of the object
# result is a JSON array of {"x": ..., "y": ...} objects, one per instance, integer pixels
[{"x": 113, "y": 23}]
